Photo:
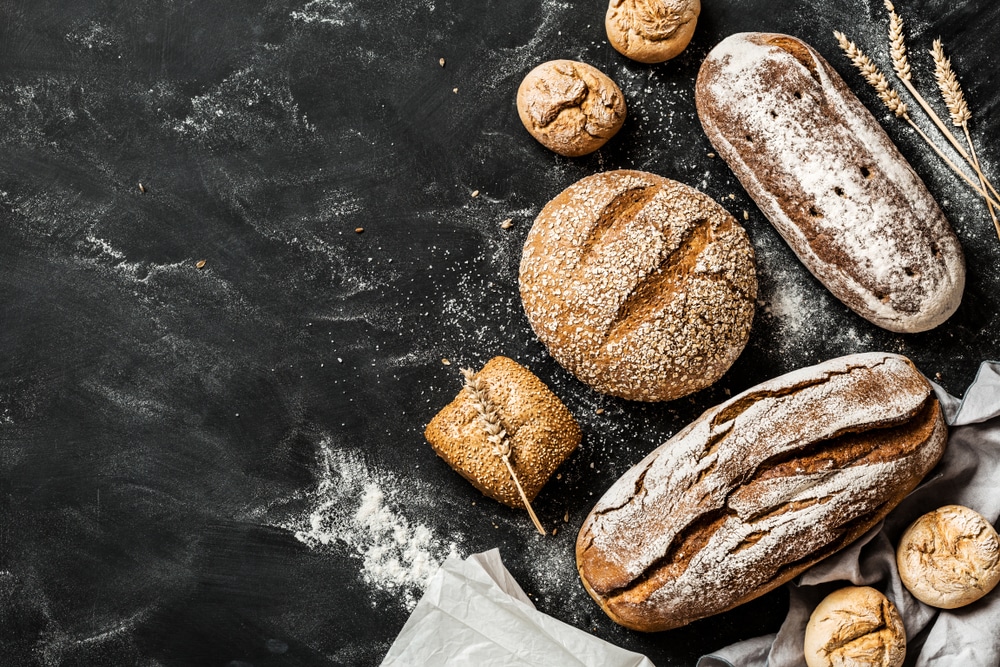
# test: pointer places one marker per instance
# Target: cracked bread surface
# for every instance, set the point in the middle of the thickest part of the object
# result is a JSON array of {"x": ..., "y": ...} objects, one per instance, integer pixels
[
  {"x": 758, "y": 489},
  {"x": 950, "y": 557},
  {"x": 651, "y": 31},
  {"x": 855, "y": 626},
  {"x": 640, "y": 286},
  {"x": 830, "y": 180},
  {"x": 570, "y": 107}
]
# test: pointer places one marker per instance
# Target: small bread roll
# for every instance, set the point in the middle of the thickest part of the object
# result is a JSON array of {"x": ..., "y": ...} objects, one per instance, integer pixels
[
  {"x": 651, "y": 31},
  {"x": 640, "y": 286},
  {"x": 950, "y": 557},
  {"x": 855, "y": 627},
  {"x": 512, "y": 408},
  {"x": 570, "y": 107}
]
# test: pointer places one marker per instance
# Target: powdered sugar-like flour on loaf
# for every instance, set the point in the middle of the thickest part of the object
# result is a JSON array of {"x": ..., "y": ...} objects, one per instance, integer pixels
[{"x": 831, "y": 181}]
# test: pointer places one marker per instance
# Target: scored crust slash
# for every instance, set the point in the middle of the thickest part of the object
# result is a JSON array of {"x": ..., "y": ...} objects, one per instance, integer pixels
[{"x": 760, "y": 488}]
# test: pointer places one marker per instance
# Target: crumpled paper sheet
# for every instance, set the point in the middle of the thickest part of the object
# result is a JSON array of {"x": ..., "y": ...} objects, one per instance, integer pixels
[
  {"x": 968, "y": 474},
  {"x": 474, "y": 613}
]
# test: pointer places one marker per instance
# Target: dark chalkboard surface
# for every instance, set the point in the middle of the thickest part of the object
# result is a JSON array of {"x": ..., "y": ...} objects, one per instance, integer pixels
[{"x": 225, "y": 465}]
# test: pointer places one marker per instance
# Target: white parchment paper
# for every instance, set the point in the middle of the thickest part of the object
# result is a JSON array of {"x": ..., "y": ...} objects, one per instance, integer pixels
[{"x": 474, "y": 613}]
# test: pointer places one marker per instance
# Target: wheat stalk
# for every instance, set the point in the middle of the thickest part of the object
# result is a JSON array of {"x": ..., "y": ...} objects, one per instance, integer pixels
[
  {"x": 954, "y": 99},
  {"x": 496, "y": 435},
  {"x": 897, "y": 44},
  {"x": 894, "y": 103},
  {"x": 873, "y": 75},
  {"x": 951, "y": 92}
]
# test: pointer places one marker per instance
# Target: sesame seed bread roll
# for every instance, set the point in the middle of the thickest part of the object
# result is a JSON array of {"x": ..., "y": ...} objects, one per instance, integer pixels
[
  {"x": 758, "y": 489},
  {"x": 830, "y": 180},
  {"x": 640, "y": 286},
  {"x": 540, "y": 432}
]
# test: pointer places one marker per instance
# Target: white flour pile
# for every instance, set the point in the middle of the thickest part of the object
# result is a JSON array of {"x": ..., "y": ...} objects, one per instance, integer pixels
[{"x": 357, "y": 508}]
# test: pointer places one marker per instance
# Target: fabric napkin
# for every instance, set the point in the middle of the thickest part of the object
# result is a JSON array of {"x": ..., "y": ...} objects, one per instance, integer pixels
[
  {"x": 474, "y": 613},
  {"x": 968, "y": 474}
]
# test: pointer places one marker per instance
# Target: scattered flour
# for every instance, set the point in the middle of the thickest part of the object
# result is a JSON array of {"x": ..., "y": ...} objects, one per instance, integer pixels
[
  {"x": 329, "y": 12},
  {"x": 356, "y": 507}
]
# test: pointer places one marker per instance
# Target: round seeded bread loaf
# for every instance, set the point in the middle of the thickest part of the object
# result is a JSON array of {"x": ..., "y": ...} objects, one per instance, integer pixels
[{"x": 641, "y": 286}]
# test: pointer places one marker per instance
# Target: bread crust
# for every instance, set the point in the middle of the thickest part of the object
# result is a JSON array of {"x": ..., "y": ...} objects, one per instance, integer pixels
[
  {"x": 570, "y": 107},
  {"x": 830, "y": 180},
  {"x": 950, "y": 557},
  {"x": 855, "y": 626},
  {"x": 651, "y": 31},
  {"x": 541, "y": 432},
  {"x": 640, "y": 286},
  {"x": 758, "y": 489}
]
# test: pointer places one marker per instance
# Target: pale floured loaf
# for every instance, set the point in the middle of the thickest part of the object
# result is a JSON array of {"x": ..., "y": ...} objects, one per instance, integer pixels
[
  {"x": 641, "y": 286},
  {"x": 950, "y": 557},
  {"x": 830, "y": 180},
  {"x": 855, "y": 626},
  {"x": 651, "y": 31},
  {"x": 758, "y": 489}
]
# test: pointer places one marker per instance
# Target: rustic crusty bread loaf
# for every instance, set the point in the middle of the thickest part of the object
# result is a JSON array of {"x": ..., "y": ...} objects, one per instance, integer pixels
[
  {"x": 830, "y": 180},
  {"x": 640, "y": 286},
  {"x": 651, "y": 31},
  {"x": 540, "y": 432},
  {"x": 950, "y": 557},
  {"x": 570, "y": 107},
  {"x": 758, "y": 489},
  {"x": 855, "y": 626}
]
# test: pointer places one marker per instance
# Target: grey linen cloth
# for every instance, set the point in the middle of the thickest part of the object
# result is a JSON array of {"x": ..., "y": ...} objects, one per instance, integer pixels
[{"x": 968, "y": 474}]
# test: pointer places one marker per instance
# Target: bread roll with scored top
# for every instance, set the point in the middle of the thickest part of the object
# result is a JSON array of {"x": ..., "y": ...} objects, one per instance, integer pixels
[
  {"x": 950, "y": 557},
  {"x": 758, "y": 489},
  {"x": 641, "y": 286},
  {"x": 651, "y": 31},
  {"x": 570, "y": 107},
  {"x": 855, "y": 627},
  {"x": 830, "y": 180}
]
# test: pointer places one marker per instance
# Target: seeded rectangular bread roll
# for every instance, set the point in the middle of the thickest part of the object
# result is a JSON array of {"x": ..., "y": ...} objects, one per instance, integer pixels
[
  {"x": 758, "y": 489},
  {"x": 830, "y": 180}
]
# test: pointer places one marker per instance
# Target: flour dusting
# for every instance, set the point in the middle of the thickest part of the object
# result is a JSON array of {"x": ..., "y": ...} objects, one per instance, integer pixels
[{"x": 360, "y": 509}]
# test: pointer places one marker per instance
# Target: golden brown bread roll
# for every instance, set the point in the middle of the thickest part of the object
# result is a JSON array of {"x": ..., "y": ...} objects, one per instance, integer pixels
[
  {"x": 640, "y": 286},
  {"x": 570, "y": 107},
  {"x": 539, "y": 429},
  {"x": 760, "y": 488},
  {"x": 830, "y": 180},
  {"x": 651, "y": 31},
  {"x": 950, "y": 557},
  {"x": 855, "y": 627}
]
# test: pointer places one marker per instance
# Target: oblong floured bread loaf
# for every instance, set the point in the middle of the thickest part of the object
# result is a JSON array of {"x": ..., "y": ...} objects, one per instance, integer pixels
[
  {"x": 758, "y": 489},
  {"x": 830, "y": 180}
]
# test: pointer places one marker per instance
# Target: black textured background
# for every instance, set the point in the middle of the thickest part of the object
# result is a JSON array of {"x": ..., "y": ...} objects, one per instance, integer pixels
[{"x": 165, "y": 430}]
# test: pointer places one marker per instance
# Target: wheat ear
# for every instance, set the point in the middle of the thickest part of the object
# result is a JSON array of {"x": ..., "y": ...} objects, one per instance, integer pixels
[
  {"x": 900, "y": 63},
  {"x": 954, "y": 99},
  {"x": 496, "y": 435},
  {"x": 891, "y": 99}
]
